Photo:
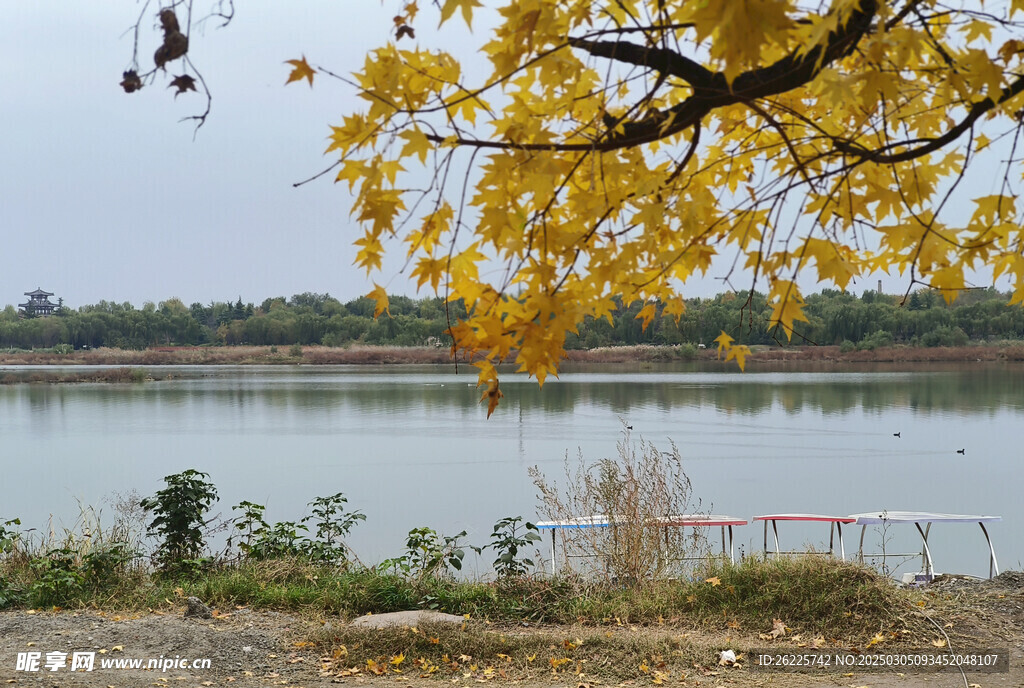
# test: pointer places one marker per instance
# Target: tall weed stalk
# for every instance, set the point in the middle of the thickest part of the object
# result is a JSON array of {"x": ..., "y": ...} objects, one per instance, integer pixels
[{"x": 632, "y": 491}]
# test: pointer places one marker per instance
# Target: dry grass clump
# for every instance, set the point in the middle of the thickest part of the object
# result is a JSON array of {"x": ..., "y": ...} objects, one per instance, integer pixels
[
  {"x": 122, "y": 374},
  {"x": 374, "y": 355},
  {"x": 634, "y": 492}
]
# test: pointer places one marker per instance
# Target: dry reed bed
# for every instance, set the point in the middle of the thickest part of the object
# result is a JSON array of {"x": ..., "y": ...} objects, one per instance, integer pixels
[{"x": 397, "y": 355}]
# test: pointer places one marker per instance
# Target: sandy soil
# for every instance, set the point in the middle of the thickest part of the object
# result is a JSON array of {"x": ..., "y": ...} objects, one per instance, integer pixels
[{"x": 248, "y": 649}]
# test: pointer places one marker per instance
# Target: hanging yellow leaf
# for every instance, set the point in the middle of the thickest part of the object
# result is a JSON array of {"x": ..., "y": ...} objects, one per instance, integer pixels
[
  {"x": 724, "y": 342},
  {"x": 491, "y": 394},
  {"x": 300, "y": 70},
  {"x": 380, "y": 297},
  {"x": 738, "y": 353},
  {"x": 466, "y": 6}
]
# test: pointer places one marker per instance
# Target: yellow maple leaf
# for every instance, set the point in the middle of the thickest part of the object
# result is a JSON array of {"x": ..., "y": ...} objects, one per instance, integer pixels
[
  {"x": 416, "y": 144},
  {"x": 556, "y": 663},
  {"x": 739, "y": 353},
  {"x": 381, "y": 298},
  {"x": 492, "y": 394},
  {"x": 449, "y": 7},
  {"x": 301, "y": 70},
  {"x": 787, "y": 306},
  {"x": 715, "y": 581},
  {"x": 724, "y": 343}
]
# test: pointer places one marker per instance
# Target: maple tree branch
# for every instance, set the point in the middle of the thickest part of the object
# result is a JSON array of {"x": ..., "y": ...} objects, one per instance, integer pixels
[
  {"x": 977, "y": 110},
  {"x": 662, "y": 60},
  {"x": 711, "y": 89},
  {"x": 774, "y": 124}
]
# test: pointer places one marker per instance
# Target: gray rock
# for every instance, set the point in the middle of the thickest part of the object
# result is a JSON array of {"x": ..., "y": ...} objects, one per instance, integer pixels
[
  {"x": 409, "y": 618},
  {"x": 195, "y": 609}
]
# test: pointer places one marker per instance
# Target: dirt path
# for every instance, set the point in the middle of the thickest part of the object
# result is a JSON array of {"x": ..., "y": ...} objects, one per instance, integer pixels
[{"x": 247, "y": 649}]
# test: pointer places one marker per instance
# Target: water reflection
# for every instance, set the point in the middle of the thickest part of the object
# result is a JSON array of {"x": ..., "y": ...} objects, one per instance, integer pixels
[{"x": 411, "y": 446}]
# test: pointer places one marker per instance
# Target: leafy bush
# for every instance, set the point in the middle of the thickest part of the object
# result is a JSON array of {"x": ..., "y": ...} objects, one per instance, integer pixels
[
  {"x": 428, "y": 553},
  {"x": 283, "y": 539},
  {"x": 687, "y": 352},
  {"x": 876, "y": 340},
  {"x": 847, "y": 346},
  {"x": 8, "y": 538},
  {"x": 10, "y": 593},
  {"x": 944, "y": 335},
  {"x": 333, "y": 523},
  {"x": 507, "y": 540},
  {"x": 58, "y": 578},
  {"x": 180, "y": 511}
]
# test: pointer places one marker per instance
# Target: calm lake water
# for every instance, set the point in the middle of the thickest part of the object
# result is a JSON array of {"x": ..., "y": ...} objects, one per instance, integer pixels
[{"x": 410, "y": 446}]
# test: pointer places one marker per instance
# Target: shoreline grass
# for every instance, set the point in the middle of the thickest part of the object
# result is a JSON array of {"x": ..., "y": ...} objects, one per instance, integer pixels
[
  {"x": 819, "y": 594},
  {"x": 1009, "y": 351},
  {"x": 517, "y": 626}
]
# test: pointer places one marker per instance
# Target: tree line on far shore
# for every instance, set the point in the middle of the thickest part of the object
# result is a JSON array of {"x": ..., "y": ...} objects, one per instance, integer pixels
[{"x": 869, "y": 321}]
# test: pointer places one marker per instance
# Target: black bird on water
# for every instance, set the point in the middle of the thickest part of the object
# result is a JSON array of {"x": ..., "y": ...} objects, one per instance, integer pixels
[
  {"x": 959, "y": 451},
  {"x": 896, "y": 434}
]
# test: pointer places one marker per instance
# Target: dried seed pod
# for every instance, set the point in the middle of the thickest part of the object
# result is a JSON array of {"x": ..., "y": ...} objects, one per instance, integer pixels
[
  {"x": 131, "y": 81},
  {"x": 169, "y": 21},
  {"x": 182, "y": 83},
  {"x": 174, "y": 46}
]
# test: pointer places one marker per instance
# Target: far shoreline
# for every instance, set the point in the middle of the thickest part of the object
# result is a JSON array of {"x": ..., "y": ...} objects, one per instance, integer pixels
[{"x": 771, "y": 356}]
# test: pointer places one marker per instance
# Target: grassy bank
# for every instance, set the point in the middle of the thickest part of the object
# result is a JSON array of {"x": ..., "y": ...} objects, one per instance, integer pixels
[
  {"x": 819, "y": 594},
  {"x": 524, "y": 627},
  {"x": 518, "y": 624}
]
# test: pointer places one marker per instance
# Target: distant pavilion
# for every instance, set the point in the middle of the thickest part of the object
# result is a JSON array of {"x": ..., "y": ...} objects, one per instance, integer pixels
[{"x": 38, "y": 303}]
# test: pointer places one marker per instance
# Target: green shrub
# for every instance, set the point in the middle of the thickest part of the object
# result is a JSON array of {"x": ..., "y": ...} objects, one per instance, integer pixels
[
  {"x": 261, "y": 540},
  {"x": 876, "y": 340},
  {"x": 687, "y": 352},
  {"x": 428, "y": 553},
  {"x": 333, "y": 523},
  {"x": 507, "y": 540},
  {"x": 58, "y": 578},
  {"x": 180, "y": 511},
  {"x": 944, "y": 335}
]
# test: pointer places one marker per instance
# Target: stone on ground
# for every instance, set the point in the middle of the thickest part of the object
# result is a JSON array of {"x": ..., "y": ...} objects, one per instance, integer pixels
[{"x": 409, "y": 618}]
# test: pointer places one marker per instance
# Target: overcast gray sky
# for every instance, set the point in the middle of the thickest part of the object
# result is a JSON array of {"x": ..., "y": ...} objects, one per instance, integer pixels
[{"x": 106, "y": 195}]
